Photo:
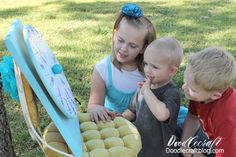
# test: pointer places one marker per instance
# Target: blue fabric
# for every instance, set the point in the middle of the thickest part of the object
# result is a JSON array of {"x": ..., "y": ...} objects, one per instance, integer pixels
[
  {"x": 182, "y": 114},
  {"x": 8, "y": 77},
  {"x": 116, "y": 100}
]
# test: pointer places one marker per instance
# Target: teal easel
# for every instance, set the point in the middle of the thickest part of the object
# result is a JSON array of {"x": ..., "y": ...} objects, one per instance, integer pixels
[{"x": 64, "y": 117}]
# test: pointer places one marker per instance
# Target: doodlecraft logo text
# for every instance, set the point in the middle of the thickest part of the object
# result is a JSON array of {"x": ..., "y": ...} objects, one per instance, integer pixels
[{"x": 193, "y": 145}]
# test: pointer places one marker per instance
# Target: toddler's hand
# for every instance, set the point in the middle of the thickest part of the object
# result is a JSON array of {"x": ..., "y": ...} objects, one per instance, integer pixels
[
  {"x": 98, "y": 113},
  {"x": 146, "y": 85},
  {"x": 140, "y": 84},
  {"x": 113, "y": 115}
]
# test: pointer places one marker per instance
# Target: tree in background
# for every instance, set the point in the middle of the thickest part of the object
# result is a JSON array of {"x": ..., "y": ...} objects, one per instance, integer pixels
[{"x": 6, "y": 147}]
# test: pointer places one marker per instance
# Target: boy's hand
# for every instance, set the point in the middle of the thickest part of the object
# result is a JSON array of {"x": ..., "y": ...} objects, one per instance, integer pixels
[{"x": 146, "y": 85}]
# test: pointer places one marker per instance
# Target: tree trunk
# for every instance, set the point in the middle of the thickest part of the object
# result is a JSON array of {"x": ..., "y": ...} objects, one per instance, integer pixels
[{"x": 6, "y": 147}]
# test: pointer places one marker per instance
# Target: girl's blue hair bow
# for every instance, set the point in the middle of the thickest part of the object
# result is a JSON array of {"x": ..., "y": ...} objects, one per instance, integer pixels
[{"x": 132, "y": 10}]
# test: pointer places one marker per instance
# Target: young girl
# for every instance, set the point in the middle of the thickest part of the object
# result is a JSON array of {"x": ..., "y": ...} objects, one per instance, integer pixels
[{"x": 114, "y": 80}]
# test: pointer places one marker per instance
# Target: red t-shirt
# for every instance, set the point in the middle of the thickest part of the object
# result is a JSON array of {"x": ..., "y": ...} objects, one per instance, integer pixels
[{"x": 218, "y": 120}]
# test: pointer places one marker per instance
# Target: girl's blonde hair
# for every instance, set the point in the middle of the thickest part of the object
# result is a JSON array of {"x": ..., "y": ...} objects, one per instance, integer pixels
[
  {"x": 140, "y": 22},
  {"x": 213, "y": 68}
]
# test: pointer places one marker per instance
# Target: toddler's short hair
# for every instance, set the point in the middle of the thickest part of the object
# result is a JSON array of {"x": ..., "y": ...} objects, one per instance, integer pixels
[
  {"x": 213, "y": 68},
  {"x": 170, "y": 48}
]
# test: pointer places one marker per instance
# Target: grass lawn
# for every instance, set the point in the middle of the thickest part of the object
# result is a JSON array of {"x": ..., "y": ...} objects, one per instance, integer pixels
[{"x": 79, "y": 33}]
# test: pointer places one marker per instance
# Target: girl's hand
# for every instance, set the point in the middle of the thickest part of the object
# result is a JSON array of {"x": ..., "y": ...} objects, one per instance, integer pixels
[
  {"x": 146, "y": 85},
  {"x": 98, "y": 113}
]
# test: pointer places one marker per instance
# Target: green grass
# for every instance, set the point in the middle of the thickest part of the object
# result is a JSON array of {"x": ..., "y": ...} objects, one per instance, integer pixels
[{"x": 79, "y": 33}]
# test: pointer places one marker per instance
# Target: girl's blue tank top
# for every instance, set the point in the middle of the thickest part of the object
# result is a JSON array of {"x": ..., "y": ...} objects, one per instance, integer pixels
[{"x": 116, "y": 100}]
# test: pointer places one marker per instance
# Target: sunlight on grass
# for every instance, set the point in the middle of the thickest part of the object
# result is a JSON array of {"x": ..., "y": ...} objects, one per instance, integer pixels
[
  {"x": 216, "y": 36},
  {"x": 187, "y": 22},
  {"x": 79, "y": 32}
]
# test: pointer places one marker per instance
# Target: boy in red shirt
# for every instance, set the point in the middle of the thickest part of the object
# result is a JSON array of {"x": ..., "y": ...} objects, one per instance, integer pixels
[{"x": 207, "y": 84}]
